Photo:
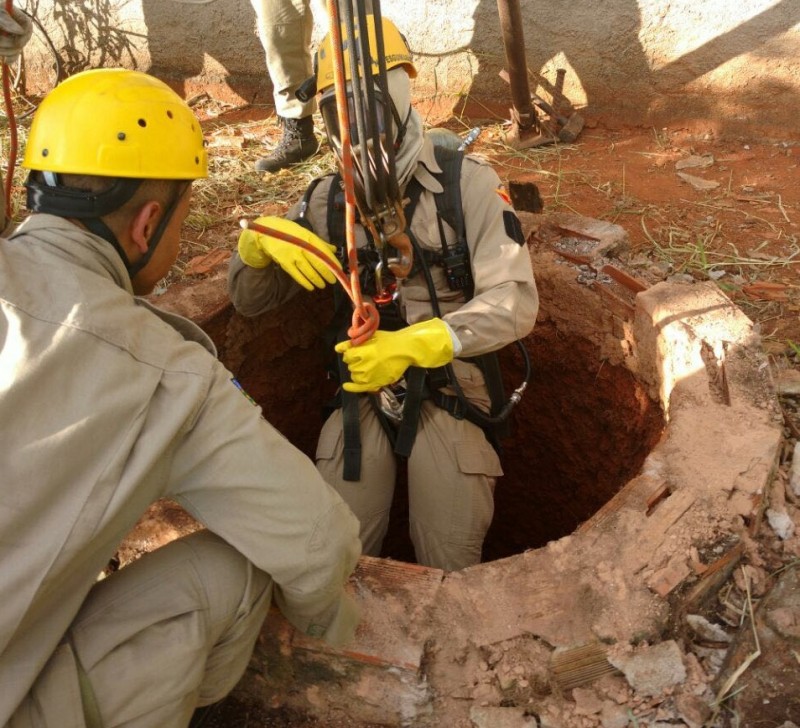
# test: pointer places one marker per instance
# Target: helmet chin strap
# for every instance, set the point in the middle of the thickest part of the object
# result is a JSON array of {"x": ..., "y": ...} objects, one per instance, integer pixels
[
  {"x": 401, "y": 126},
  {"x": 158, "y": 233},
  {"x": 46, "y": 194}
]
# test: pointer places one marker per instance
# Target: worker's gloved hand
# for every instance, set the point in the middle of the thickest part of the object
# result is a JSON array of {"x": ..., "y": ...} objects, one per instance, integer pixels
[
  {"x": 384, "y": 358},
  {"x": 258, "y": 251},
  {"x": 15, "y": 31}
]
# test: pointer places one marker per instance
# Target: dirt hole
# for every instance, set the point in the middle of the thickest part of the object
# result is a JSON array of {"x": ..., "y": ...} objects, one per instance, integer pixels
[{"x": 582, "y": 430}]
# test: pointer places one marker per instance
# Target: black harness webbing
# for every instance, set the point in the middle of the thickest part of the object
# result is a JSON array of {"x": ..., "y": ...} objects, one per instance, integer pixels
[
  {"x": 351, "y": 428},
  {"x": 420, "y": 383},
  {"x": 489, "y": 364},
  {"x": 416, "y": 391},
  {"x": 347, "y": 401}
]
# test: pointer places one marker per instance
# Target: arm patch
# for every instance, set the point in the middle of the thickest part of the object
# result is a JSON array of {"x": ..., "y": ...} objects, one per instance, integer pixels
[
  {"x": 241, "y": 389},
  {"x": 513, "y": 227}
]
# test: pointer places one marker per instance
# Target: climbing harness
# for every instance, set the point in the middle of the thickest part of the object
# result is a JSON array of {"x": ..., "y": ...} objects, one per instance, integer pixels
[
  {"x": 449, "y": 153},
  {"x": 398, "y": 405},
  {"x": 359, "y": 116}
]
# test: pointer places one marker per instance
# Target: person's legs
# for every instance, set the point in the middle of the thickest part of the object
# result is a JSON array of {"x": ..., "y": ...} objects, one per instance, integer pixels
[
  {"x": 285, "y": 28},
  {"x": 452, "y": 472},
  {"x": 170, "y": 632},
  {"x": 370, "y": 498}
]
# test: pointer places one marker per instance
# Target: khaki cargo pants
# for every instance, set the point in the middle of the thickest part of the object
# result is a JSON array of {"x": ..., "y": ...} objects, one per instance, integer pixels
[
  {"x": 285, "y": 28},
  {"x": 168, "y": 633},
  {"x": 452, "y": 472}
]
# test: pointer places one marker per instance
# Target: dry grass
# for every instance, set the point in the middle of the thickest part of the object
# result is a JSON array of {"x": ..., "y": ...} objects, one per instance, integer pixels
[{"x": 670, "y": 236}]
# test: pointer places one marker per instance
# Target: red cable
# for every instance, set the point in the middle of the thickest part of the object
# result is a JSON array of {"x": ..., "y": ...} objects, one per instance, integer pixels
[
  {"x": 368, "y": 318},
  {"x": 12, "y": 127}
]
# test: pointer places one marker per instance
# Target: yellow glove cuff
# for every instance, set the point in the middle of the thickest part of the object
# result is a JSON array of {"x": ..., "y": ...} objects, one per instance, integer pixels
[
  {"x": 252, "y": 246},
  {"x": 384, "y": 358}
]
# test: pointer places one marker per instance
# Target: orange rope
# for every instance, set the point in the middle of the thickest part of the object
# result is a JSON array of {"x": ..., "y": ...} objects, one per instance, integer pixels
[
  {"x": 358, "y": 334},
  {"x": 12, "y": 127},
  {"x": 365, "y": 316}
]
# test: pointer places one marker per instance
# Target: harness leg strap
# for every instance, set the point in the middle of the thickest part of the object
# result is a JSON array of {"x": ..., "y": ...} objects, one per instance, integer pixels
[
  {"x": 415, "y": 393},
  {"x": 351, "y": 429}
]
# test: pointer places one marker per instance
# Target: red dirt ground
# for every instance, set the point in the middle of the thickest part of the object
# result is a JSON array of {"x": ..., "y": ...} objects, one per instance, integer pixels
[{"x": 743, "y": 231}]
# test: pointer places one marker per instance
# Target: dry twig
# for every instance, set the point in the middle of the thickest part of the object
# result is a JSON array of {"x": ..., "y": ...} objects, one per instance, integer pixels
[{"x": 724, "y": 692}]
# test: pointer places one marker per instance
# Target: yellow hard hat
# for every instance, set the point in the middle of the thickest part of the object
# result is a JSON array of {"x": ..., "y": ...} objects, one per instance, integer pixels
[
  {"x": 113, "y": 122},
  {"x": 395, "y": 49}
]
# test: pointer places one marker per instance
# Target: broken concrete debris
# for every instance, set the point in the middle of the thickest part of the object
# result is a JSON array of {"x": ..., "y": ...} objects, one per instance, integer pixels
[
  {"x": 651, "y": 670},
  {"x": 695, "y": 161},
  {"x": 698, "y": 182},
  {"x": 707, "y": 630},
  {"x": 781, "y": 523}
]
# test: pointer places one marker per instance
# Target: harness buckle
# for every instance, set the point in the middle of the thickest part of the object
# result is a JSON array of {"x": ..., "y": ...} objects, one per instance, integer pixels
[{"x": 391, "y": 400}]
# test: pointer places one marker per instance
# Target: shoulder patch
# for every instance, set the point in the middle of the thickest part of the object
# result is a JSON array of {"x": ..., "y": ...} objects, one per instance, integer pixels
[
  {"x": 502, "y": 193},
  {"x": 241, "y": 389}
]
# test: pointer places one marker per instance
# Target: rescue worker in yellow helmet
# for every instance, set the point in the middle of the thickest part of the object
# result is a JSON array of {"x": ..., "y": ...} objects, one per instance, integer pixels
[
  {"x": 109, "y": 404},
  {"x": 471, "y": 292}
]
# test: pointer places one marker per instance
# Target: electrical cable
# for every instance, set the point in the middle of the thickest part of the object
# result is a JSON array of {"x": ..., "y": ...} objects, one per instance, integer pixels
[
  {"x": 12, "y": 128},
  {"x": 359, "y": 334}
]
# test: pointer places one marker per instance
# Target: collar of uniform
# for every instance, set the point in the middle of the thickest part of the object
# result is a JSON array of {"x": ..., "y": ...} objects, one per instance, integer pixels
[
  {"x": 187, "y": 328},
  {"x": 427, "y": 166},
  {"x": 75, "y": 245}
]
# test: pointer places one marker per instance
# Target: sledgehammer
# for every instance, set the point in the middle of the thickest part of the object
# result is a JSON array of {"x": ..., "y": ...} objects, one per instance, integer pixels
[{"x": 568, "y": 128}]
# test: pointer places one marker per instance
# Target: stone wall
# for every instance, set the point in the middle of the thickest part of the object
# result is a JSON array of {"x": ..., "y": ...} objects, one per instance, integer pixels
[{"x": 632, "y": 61}]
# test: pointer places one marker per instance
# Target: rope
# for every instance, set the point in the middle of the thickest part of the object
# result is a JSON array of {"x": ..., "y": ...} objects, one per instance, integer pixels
[
  {"x": 12, "y": 128},
  {"x": 365, "y": 316}
]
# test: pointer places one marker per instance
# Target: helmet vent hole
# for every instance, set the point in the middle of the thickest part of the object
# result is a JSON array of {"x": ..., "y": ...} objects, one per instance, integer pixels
[
  {"x": 142, "y": 123},
  {"x": 169, "y": 114}
]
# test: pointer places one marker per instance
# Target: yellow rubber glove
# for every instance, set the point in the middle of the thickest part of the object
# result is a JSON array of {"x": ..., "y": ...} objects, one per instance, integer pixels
[
  {"x": 258, "y": 251},
  {"x": 384, "y": 358}
]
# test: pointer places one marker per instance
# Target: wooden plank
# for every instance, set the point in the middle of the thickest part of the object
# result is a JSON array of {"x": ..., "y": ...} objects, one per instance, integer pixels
[{"x": 713, "y": 578}]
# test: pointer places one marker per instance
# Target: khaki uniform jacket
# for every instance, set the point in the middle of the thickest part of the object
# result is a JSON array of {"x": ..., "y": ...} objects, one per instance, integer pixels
[
  {"x": 107, "y": 404},
  {"x": 505, "y": 302}
]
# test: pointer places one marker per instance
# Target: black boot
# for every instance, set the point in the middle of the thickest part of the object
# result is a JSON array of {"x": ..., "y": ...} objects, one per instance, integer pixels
[{"x": 298, "y": 143}]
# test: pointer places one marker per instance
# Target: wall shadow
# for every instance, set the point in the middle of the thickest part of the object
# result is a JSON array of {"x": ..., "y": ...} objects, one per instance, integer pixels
[
  {"x": 761, "y": 100},
  {"x": 602, "y": 48},
  {"x": 91, "y": 37},
  {"x": 605, "y": 56},
  {"x": 181, "y": 35}
]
